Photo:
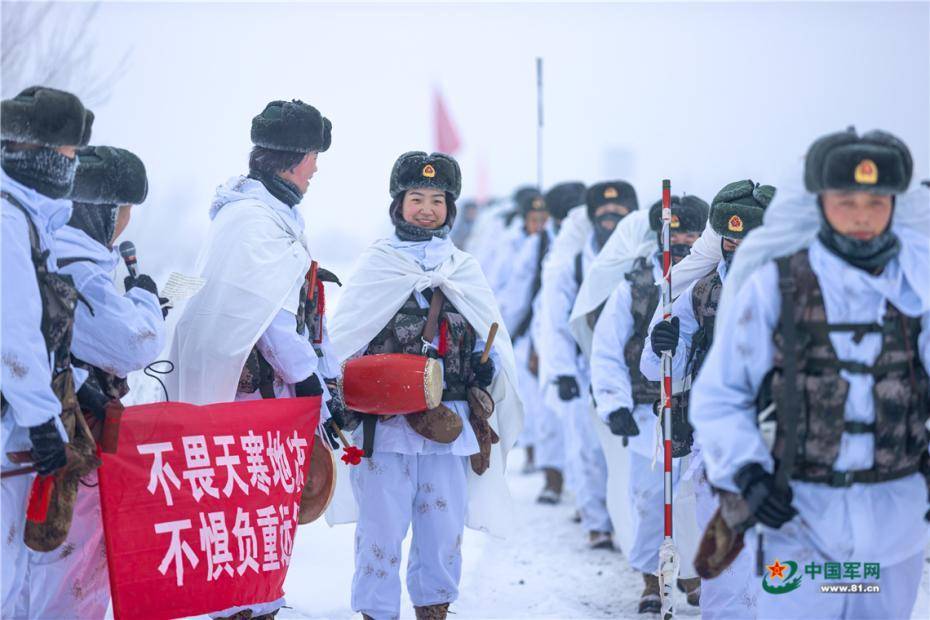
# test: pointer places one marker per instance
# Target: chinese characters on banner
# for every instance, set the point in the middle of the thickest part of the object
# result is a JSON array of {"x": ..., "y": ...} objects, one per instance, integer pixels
[{"x": 200, "y": 504}]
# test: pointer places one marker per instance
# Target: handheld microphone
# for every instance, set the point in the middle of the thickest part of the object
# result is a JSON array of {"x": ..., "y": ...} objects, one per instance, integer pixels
[{"x": 127, "y": 249}]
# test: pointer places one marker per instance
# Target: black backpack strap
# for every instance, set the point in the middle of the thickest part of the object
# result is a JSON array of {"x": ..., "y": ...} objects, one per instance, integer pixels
[
  {"x": 579, "y": 268},
  {"x": 39, "y": 256},
  {"x": 64, "y": 262},
  {"x": 534, "y": 289}
]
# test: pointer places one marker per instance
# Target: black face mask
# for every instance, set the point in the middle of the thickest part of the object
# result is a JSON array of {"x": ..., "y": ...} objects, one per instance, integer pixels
[
  {"x": 679, "y": 251},
  {"x": 97, "y": 221},
  {"x": 283, "y": 190},
  {"x": 45, "y": 170},
  {"x": 602, "y": 233},
  {"x": 727, "y": 254},
  {"x": 871, "y": 255}
]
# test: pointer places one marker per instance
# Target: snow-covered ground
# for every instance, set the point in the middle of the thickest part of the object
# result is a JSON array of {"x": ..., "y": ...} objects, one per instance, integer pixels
[{"x": 543, "y": 570}]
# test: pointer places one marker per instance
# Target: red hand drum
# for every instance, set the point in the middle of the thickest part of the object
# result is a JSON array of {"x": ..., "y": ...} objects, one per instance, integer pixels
[{"x": 392, "y": 383}]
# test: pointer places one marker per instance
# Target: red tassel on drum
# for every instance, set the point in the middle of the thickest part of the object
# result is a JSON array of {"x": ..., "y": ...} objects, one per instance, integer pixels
[
  {"x": 39, "y": 498},
  {"x": 352, "y": 455},
  {"x": 321, "y": 296},
  {"x": 443, "y": 338}
]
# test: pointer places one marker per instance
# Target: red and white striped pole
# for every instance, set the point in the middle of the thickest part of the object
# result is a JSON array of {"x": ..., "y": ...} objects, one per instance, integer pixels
[
  {"x": 669, "y": 563},
  {"x": 666, "y": 355}
]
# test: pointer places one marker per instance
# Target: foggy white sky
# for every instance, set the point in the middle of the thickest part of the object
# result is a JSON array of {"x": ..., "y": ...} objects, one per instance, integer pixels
[{"x": 701, "y": 93}]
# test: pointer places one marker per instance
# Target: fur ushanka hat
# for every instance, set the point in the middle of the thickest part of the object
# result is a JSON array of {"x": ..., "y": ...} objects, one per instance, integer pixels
[
  {"x": 46, "y": 116},
  {"x": 616, "y": 192},
  {"x": 564, "y": 197},
  {"x": 109, "y": 175},
  {"x": 738, "y": 208},
  {"x": 876, "y": 162},
  {"x": 292, "y": 126},
  {"x": 417, "y": 169},
  {"x": 689, "y": 214}
]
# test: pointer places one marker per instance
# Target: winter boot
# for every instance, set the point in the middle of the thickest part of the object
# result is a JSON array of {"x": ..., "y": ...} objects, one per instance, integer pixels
[
  {"x": 367, "y": 617},
  {"x": 432, "y": 612},
  {"x": 600, "y": 540},
  {"x": 552, "y": 492},
  {"x": 245, "y": 614},
  {"x": 650, "y": 602},
  {"x": 529, "y": 466},
  {"x": 692, "y": 588},
  {"x": 576, "y": 516}
]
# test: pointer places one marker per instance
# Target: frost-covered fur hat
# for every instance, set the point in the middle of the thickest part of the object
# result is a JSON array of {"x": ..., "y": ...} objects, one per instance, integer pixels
[
  {"x": 877, "y": 162},
  {"x": 529, "y": 199},
  {"x": 738, "y": 208},
  {"x": 109, "y": 175},
  {"x": 292, "y": 126},
  {"x": 417, "y": 169},
  {"x": 46, "y": 116},
  {"x": 689, "y": 214},
  {"x": 563, "y": 197},
  {"x": 611, "y": 192}
]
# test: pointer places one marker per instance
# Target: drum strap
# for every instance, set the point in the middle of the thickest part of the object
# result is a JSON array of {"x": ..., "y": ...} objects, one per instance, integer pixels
[
  {"x": 369, "y": 424},
  {"x": 432, "y": 319}
]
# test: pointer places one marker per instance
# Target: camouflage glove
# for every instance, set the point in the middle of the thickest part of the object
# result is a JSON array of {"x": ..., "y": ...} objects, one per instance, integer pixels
[
  {"x": 769, "y": 505},
  {"x": 568, "y": 387},
  {"x": 48, "y": 448},
  {"x": 484, "y": 373},
  {"x": 622, "y": 424},
  {"x": 664, "y": 336}
]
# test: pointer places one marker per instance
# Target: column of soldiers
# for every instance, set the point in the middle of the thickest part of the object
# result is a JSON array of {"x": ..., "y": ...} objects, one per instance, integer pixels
[{"x": 799, "y": 418}]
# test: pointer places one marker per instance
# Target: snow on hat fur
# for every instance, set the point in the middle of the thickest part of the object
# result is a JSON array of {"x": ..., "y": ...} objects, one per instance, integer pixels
[
  {"x": 876, "y": 162},
  {"x": 611, "y": 192},
  {"x": 417, "y": 169},
  {"x": 738, "y": 208},
  {"x": 109, "y": 175},
  {"x": 292, "y": 126},
  {"x": 46, "y": 116},
  {"x": 564, "y": 197}
]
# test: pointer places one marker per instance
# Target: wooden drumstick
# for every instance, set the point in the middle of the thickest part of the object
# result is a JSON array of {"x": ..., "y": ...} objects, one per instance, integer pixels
[
  {"x": 314, "y": 266},
  {"x": 342, "y": 438},
  {"x": 487, "y": 344}
]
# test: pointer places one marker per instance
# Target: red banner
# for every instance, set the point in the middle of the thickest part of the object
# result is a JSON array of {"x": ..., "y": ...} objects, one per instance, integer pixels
[{"x": 200, "y": 504}]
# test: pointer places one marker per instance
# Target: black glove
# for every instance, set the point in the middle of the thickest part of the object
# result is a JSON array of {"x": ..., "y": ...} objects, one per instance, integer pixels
[
  {"x": 484, "y": 373},
  {"x": 93, "y": 400},
  {"x": 48, "y": 448},
  {"x": 165, "y": 304},
  {"x": 310, "y": 386},
  {"x": 141, "y": 281},
  {"x": 770, "y": 506},
  {"x": 665, "y": 336},
  {"x": 568, "y": 387},
  {"x": 621, "y": 423}
]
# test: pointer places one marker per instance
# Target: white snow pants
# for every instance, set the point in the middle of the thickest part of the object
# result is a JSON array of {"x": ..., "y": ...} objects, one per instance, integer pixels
[
  {"x": 899, "y": 584},
  {"x": 71, "y": 581},
  {"x": 14, "y": 494},
  {"x": 585, "y": 455},
  {"x": 735, "y": 592},
  {"x": 647, "y": 504},
  {"x": 393, "y": 491},
  {"x": 550, "y": 436},
  {"x": 528, "y": 386}
]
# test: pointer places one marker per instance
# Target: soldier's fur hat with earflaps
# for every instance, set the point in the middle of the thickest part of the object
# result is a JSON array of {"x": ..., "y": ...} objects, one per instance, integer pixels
[
  {"x": 292, "y": 126},
  {"x": 877, "y": 162},
  {"x": 738, "y": 208},
  {"x": 109, "y": 175},
  {"x": 689, "y": 214},
  {"x": 417, "y": 169},
  {"x": 46, "y": 116}
]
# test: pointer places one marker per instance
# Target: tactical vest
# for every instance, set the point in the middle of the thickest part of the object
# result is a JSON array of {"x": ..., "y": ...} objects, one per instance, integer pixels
[
  {"x": 257, "y": 373},
  {"x": 900, "y": 389},
  {"x": 645, "y": 299},
  {"x": 457, "y": 341},
  {"x": 705, "y": 297}
]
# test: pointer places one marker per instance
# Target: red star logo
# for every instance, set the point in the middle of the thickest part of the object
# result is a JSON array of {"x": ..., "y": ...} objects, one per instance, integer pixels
[{"x": 776, "y": 570}]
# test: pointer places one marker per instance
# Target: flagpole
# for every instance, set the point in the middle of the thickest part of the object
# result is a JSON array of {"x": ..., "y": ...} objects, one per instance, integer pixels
[{"x": 539, "y": 123}]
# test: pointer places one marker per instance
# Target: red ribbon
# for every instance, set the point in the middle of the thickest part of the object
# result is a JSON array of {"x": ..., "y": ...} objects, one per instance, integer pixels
[
  {"x": 321, "y": 295},
  {"x": 352, "y": 455},
  {"x": 39, "y": 498},
  {"x": 443, "y": 338}
]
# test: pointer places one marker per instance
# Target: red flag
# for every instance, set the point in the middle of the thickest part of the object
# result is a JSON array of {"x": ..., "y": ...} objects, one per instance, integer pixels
[
  {"x": 200, "y": 504},
  {"x": 447, "y": 137}
]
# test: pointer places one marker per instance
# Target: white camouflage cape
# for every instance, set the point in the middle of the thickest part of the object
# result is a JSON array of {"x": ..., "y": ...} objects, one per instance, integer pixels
[
  {"x": 632, "y": 238},
  {"x": 383, "y": 280},
  {"x": 249, "y": 243}
]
